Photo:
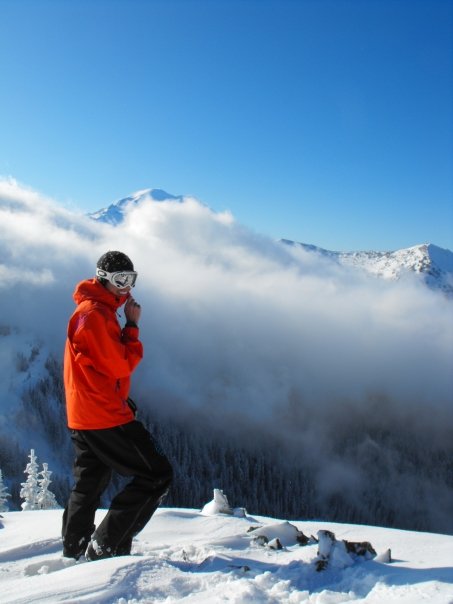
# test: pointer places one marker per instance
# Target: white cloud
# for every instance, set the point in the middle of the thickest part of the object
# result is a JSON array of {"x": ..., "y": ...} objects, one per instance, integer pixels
[
  {"x": 234, "y": 322},
  {"x": 11, "y": 276}
]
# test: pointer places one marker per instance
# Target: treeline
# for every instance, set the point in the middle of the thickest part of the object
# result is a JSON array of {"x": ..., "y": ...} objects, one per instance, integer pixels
[
  {"x": 404, "y": 483},
  {"x": 258, "y": 476}
]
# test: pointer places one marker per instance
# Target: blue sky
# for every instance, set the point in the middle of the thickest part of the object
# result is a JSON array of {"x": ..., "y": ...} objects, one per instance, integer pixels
[{"x": 328, "y": 122}]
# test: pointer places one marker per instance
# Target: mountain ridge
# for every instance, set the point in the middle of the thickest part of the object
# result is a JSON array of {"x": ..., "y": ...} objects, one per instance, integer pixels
[{"x": 432, "y": 263}]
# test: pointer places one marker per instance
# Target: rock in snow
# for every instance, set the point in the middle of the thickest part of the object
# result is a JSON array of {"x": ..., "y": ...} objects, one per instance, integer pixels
[{"x": 185, "y": 556}]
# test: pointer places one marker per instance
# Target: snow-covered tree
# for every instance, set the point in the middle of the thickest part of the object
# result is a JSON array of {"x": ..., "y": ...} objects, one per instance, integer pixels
[
  {"x": 46, "y": 499},
  {"x": 29, "y": 492},
  {"x": 3, "y": 495}
]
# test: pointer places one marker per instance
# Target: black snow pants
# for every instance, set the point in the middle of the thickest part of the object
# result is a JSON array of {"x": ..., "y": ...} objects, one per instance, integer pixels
[{"x": 131, "y": 451}]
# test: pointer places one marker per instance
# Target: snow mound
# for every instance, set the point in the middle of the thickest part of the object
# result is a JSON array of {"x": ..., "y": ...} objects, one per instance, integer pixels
[
  {"x": 285, "y": 533},
  {"x": 218, "y": 505},
  {"x": 185, "y": 556}
]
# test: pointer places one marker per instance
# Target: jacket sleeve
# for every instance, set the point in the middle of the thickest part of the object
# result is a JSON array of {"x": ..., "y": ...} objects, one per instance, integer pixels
[{"x": 101, "y": 344}]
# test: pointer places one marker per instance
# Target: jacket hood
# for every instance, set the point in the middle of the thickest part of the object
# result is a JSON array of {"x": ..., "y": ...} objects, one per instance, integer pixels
[{"x": 92, "y": 289}]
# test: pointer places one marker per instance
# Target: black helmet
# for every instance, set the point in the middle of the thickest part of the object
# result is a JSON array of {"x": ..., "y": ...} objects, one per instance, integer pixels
[
  {"x": 117, "y": 268},
  {"x": 115, "y": 261}
]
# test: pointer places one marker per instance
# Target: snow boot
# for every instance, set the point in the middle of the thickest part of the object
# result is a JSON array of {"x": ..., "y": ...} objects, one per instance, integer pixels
[
  {"x": 124, "y": 548},
  {"x": 75, "y": 549},
  {"x": 95, "y": 551}
]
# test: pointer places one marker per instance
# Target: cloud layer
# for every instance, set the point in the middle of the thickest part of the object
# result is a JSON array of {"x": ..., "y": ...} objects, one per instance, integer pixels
[
  {"x": 236, "y": 325},
  {"x": 231, "y": 318}
]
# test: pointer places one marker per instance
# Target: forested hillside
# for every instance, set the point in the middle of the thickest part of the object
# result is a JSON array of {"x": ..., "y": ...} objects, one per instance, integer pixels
[{"x": 405, "y": 483}]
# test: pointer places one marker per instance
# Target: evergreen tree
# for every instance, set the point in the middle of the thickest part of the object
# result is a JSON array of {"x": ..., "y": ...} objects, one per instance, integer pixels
[
  {"x": 46, "y": 499},
  {"x": 3, "y": 495},
  {"x": 29, "y": 492}
]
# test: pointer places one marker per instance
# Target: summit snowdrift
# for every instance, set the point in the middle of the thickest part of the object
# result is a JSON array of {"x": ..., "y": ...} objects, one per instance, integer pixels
[{"x": 185, "y": 556}]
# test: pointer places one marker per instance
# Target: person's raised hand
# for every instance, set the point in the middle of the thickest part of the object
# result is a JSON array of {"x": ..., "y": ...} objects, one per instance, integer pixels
[{"x": 132, "y": 310}]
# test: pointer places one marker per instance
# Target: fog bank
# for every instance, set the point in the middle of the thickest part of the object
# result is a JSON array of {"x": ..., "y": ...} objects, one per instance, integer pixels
[{"x": 237, "y": 326}]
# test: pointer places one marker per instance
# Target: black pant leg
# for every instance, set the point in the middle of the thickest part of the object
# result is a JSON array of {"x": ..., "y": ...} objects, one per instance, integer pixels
[
  {"x": 91, "y": 479},
  {"x": 131, "y": 451}
]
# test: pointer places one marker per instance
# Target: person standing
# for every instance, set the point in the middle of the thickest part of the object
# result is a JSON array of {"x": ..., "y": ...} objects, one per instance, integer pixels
[{"x": 99, "y": 359}]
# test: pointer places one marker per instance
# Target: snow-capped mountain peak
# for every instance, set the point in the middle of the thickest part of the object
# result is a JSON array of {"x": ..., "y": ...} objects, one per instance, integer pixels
[
  {"x": 114, "y": 213},
  {"x": 434, "y": 264}
]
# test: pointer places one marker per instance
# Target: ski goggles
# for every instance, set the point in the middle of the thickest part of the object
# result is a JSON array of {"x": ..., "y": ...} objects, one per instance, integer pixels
[{"x": 119, "y": 279}]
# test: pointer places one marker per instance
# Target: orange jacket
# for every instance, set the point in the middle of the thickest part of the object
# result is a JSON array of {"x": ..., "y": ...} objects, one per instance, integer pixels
[{"x": 99, "y": 360}]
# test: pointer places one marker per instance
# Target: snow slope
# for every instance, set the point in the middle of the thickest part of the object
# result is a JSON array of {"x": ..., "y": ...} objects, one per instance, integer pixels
[{"x": 185, "y": 556}]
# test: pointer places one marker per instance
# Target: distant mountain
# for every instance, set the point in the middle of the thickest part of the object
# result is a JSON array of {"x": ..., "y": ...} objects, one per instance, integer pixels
[
  {"x": 114, "y": 213},
  {"x": 434, "y": 264}
]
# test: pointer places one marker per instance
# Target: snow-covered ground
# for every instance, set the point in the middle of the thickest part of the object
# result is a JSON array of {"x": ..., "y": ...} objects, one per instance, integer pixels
[{"x": 184, "y": 555}]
